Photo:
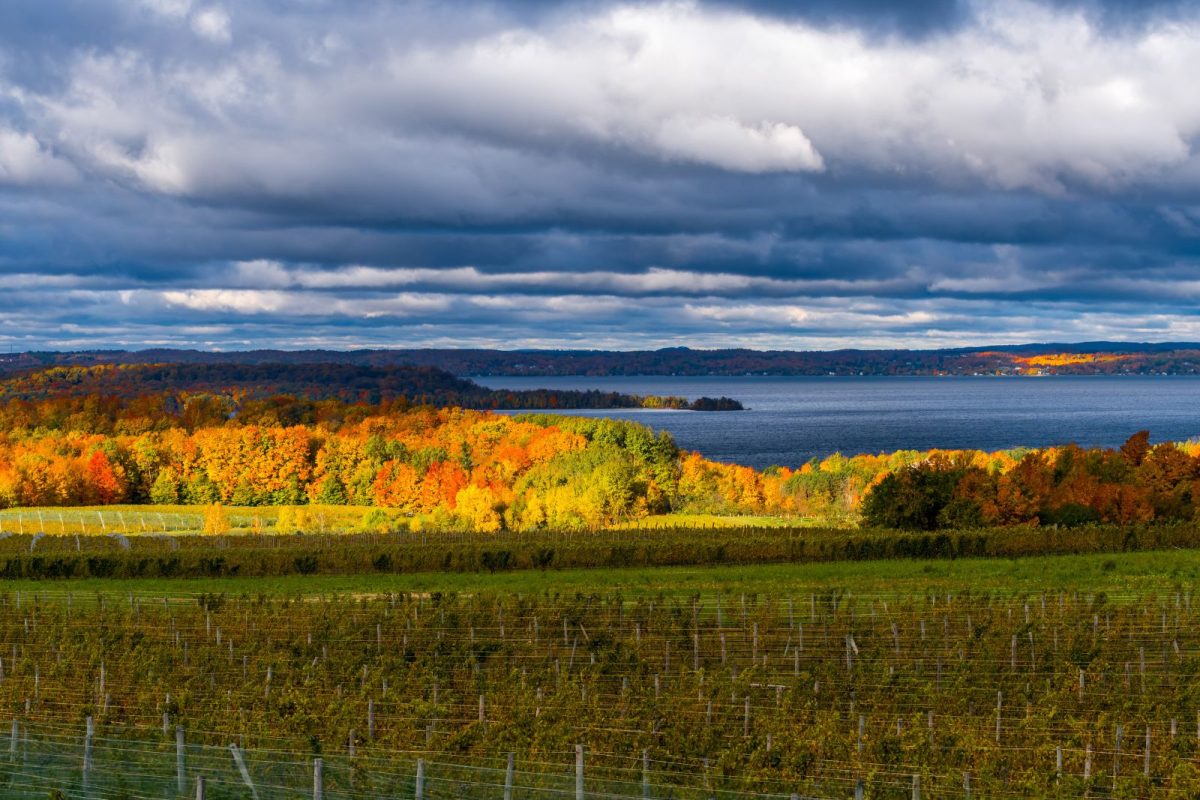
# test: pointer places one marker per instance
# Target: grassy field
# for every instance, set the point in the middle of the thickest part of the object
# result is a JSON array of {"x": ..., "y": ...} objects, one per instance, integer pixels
[{"x": 712, "y": 521}]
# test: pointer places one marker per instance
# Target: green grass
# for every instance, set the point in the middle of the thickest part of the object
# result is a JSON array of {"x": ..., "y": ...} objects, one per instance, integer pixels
[{"x": 1118, "y": 575}]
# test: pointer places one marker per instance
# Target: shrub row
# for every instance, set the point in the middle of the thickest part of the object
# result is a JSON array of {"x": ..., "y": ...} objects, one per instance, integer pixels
[{"x": 249, "y": 556}]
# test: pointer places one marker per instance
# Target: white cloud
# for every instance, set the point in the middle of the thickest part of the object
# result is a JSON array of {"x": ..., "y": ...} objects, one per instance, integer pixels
[
  {"x": 252, "y": 302},
  {"x": 1025, "y": 97},
  {"x": 173, "y": 9},
  {"x": 265, "y": 274},
  {"x": 24, "y": 161},
  {"x": 724, "y": 142},
  {"x": 239, "y": 301},
  {"x": 212, "y": 23}
]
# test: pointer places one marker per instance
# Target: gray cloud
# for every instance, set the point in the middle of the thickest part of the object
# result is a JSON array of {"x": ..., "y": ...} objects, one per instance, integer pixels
[{"x": 197, "y": 172}]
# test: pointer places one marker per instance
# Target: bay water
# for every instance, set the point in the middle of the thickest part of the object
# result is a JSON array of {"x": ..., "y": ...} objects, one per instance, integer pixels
[{"x": 790, "y": 420}]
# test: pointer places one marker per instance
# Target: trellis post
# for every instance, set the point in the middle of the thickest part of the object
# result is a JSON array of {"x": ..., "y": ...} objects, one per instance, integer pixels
[
  {"x": 578, "y": 772},
  {"x": 1146, "y": 766},
  {"x": 236, "y": 752},
  {"x": 87, "y": 752},
  {"x": 180, "y": 780},
  {"x": 1117, "y": 755}
]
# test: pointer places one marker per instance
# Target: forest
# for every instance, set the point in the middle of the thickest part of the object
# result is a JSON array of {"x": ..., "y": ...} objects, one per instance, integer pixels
[
  {"x": 353, "y": 383},
  {"x": 455, "y": 469}
]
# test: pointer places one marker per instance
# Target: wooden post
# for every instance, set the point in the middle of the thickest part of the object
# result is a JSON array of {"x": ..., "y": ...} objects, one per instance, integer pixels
[
  {"x": 508, "y": 778},
  {"x": 746, "y": 719},
  {"x": 1058, "y": 763},
  {"x": 180, "y": 779},
  {"x": 645, "y": 774},
  {"x": 370, "y": 719},
  {"x": 419, "y": 793},
  {"x": 859, "y": 789},
  {"x": 1087, "y": 763},
  {"x": 967, "y": 785},
  {"x": 200, "y": 788},
  {"x": 916, "y": 787},
  {"x": 318, "y": 779},
  {"x": 862, "y": 722},
  {"x": 578, "y": 772}
]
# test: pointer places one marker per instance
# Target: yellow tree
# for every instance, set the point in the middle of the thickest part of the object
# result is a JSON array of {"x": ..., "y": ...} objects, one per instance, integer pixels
[{"x": 478, "y": 506}]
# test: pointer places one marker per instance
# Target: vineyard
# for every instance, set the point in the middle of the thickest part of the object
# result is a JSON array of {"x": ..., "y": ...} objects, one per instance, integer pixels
[
  {"x": 133, "y": 520},
  {"x": 817, "y": 691}
]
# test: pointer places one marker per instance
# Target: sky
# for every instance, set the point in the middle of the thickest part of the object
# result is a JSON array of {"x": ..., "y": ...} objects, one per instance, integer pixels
[{"x": 837, "y": 173}]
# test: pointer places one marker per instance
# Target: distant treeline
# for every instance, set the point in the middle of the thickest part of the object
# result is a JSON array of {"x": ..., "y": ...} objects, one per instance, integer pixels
[
  {"x": 1085, "y": 358},
  {"x": 345, "y": 382}
]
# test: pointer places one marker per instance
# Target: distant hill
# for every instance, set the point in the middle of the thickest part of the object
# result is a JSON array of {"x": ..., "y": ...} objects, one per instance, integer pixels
[
  {"x": 315, "y": 381},
  {"x": 1078, "y": 358}
]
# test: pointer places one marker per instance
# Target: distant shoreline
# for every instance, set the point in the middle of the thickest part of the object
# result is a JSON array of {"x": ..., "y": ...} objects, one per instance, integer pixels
[{"x": 1031, "y": 360}]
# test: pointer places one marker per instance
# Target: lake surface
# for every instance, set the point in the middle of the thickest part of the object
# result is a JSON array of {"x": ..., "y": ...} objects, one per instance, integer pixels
[{"x": 793, "y": 419}]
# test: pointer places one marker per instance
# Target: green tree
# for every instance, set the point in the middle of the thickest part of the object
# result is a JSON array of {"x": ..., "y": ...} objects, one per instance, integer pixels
[
  {"x": 165, "y": 491},
  {"x": 911, "y": 499},
  {"x": 332, "y": 492}
]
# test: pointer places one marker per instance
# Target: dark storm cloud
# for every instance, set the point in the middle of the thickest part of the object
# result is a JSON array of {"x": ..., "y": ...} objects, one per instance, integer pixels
[{"x": 198, "y": 172}]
